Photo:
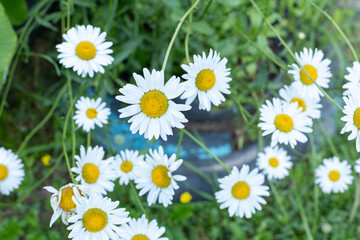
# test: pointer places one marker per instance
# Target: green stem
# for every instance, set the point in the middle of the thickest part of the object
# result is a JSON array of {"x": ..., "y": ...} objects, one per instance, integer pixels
[
  {"x": 37, "y": 184},
  {"x": 337, "y": 28},
  {"x": 43, "y": 122},
  {"x": 64, "y": 146},
  {"x": 68, "y": 14},
  {"x": 356, "y": 202},
  {"x": 179, "y": 144},
  {"x": 328, "y": 139},
  {"x": 282, "y": 208},
  {"x": 176, "y": 32},
  {"x": 293, "y": 56},
  {"x": 187, "y": 39},
  {"x": 313, "y": 160},
  {"x": 206, "y": 149},
  {"x": 89, "y": 138},
  {"x": 303, "y": 216},
  {"x": 242, "y": 112},
  {"x": 138, "y": 199},
  {"x": 71, "y": 109}
]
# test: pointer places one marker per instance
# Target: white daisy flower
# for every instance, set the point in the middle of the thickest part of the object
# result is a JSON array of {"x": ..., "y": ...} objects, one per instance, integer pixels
[
  {"x": 85, "y": 50},
  {"x": 91, "y": 112},
  {"x": 317, "y": 67},
  {"x": 310, "y": 106},
  {"x": 285, "y": 121},
  {"x": 154, "y": 175},
  {"x": 242, "y": 191},
  {"x": 96, "y": 218},
  {"x": 352, "y": 118},
  {"x": 62, "y": 203},
  {"x": 357, "y": 166},
  {"x": 141, "y": 229},
  {"x": 274, "y": 162},
  {"x": 353, "y": 84},
  {"x": 208, "y": 79},
  {"x": 11, "y": 171},
  {"x": 94, "y": 172},
  {"x": 125, "y": 163},
  {"x": 333, "y": 175},
  {"x": 152, "y": 110}
]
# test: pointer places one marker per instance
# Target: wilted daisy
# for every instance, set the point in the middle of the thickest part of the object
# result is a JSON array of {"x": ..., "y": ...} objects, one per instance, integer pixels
[
  {"x": 91, "y": 112},
  {"x": 357, "y": 166},
  {"x": 124, "y": 164},
  {"x": 352, "y": 118},
  {"x": 353, "y": 84},
  {"x": 310, "y": 106},
  {"x": 154, "y": 175},
  {"x": 152, "y": 110},
  {"x": 62, "y": 203},
  {"x": 11, "y": 171},
  {"x": 317, "y": 67},
  {"x": 94, "y": 172},
  {"x": 285, "y": 121},
  {"x": 333, "y": 175},
  {"x": 96, "y": 218},
  {"x": 274, "y": 162},
  {"x": 208, "y": 79},
  {"x": 141, "y": 229},
  {"x": 85, "y": 50},
  {"x": 242, "y": 191}
]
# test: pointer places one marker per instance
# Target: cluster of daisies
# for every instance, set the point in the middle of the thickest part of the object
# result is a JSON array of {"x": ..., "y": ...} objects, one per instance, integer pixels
[{"x": 92, "y": 215}]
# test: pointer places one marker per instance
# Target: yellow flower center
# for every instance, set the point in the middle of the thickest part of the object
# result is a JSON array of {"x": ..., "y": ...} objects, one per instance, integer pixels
[
  {"x": 126, "y": 166},
  {"x": 301, "y": 103},
  {"x": 305, "y": 78},
  {"x": 140, "y": 237},
  {"x": 357, "y": 118},
  {"x": 46, "y": 160},
  {"x": 91, "y": 113},
  {"x": 274, "y": 162},
  {"x": 90, "y": 173},
  {"x": 3, "y": 172},
  {"x": 94, "y": 220},
  {"x": 85, "y": 50},
  {"x": 185, "y": 197},
  {"x": 154, "y": 104},
  {"x": 160, "y": 176},
  {"x": 205, "y": 80},
  {"x": 66, "y": 202},
  {"x": 334, "y": 175},
  {"x": 240, "y": 190},
  {"x": 284, "y": 123}
]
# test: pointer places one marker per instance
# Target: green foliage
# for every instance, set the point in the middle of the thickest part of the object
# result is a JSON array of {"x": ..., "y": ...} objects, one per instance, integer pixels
[{"x": 16, "y": 10}]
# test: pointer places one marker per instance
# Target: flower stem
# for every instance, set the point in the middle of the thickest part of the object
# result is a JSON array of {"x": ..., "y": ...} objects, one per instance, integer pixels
[
  {"x": 337, "y": 28},
  {"x": 292, "y": 54},
  {"x": 303, "y": 216},
  {"x": 356, "y": 202},
  {"x": 138, "y": 199},
  {"x": 89, "y": 138},
  {"x": 179, "y": 144},
  {"x": 206, "y": 149},
  {"x": 176, "y": 33},
  {"x": 187, "y": 39}
]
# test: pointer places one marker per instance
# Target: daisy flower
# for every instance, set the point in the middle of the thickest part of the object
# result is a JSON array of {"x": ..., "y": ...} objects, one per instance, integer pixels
[
  {"x": 310, "y": 106},
  {"x": 274, "y": 162},
  {"x": 357, "y": 166},
  {"x": 353, "y": 84},
  {"x": 94, "y": 172},
  {"x": 317, "y": 67},
  {"x": 124, "y": 164},
  {"x": 85, "y": 50},
  {"x": 11, "y": 171},
  {"x": 285, "y": 121},
  {"x": 152, "y": 110},
  {"x": 333, "y": 175},
  {"x": 91, "y": 112},
  {"x": 96, "y": 217},
  {"x": 154, "y": 175},
  {"x": 352, "y": 118},
  {"x": 208, "y": 79},
  {"x": 141, "y": 229},
  {"x": 242, "y": 191},
  {"x": 62, "y": 203}
]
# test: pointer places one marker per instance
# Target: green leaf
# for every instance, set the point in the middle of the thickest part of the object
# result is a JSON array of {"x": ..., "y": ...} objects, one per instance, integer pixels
[
  {"x": 7, "y": 44},
  {"x": 203, "y": 27},
  {"x": 16, "y": 10}
]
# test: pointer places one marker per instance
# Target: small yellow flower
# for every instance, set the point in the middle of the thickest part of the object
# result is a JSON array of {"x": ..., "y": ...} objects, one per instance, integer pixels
[
  {"x": 46, "y": 160},
  {"x": 185, "y": 197}
]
